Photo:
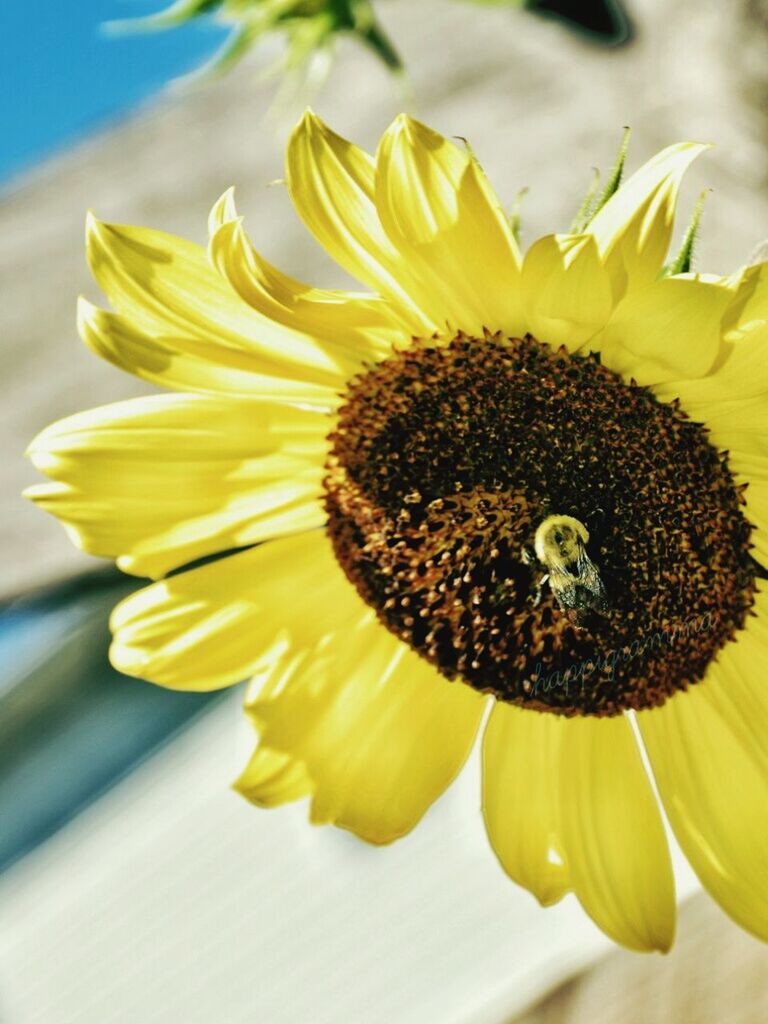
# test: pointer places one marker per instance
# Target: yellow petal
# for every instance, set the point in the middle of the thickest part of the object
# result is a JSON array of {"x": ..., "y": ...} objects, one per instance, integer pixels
[
  {"x": 442, "y": 216},
  {"x": 378, "y": 730},
  {"x": 223, "y": 211},
  {"x": 747, "y": 316},
  {"x": 734, "y": 683},
  {"x": 634, "y": 228},
  {"x": 749, "y": 465},
  {"x": 566, "y": 290},
  {"x": 213, "y": 626},
  {"x": 715, "y": 792},
  {"x": 187, "y": 364},
  {"x": 521, "y": 793},
  {"x": 738, "y": 381},
  {"x": 270, "y": 779},
  {"x": 331, "y": 183},
  {"x": 667, "y": 331},
  {"x": 158, "y": 482},
  {"x": 737, "y": 418},
  {"x": 614, "y": 839},
  {"x": 756, "y": 512},
  {"x": 732, "y": 402},
  {"x": 166, "y": 287},
  {"x": 363, "y": 323}
]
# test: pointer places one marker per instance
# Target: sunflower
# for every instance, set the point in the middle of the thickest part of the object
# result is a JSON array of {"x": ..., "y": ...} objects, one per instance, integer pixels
[{"x": 490, "y": 490}]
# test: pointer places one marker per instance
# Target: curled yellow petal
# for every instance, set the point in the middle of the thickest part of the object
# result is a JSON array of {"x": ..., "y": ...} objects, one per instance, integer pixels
[
  {"x": 158, "y": 482},
  {"x": 364, "y": 323},
  {"x": 271, "y": 778},
  {"x": 442, "y": 216},
  {"x": 215, "y": 625},
  {"x": 634, "y": 228},
  {"x": 187, "y": 363},
  {"x": 164, "y": 286},
  {"x": 331, "y": 183}
]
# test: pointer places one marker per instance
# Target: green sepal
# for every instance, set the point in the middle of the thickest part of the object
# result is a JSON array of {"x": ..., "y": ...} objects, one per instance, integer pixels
[
  {"x": 171, "y": 17},
  {"x": 683, "y": 262},
  {"x": 593, "y": 203},
  {"x": 584, "y": 213},
  {"x": 368, "y": 31},
  {"x": 513, "y": 217},
  {"x": 308, "y": 25}
]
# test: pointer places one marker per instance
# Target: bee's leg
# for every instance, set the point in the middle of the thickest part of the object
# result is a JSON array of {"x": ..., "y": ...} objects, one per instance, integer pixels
[
  {"x": 540, "y": 589},
  {"x": 528, "y": 555},
  {"x": 595, "y": 521}
]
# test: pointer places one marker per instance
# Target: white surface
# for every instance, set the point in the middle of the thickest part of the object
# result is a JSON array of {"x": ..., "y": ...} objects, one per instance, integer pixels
[{"x": 173, "y": 900}]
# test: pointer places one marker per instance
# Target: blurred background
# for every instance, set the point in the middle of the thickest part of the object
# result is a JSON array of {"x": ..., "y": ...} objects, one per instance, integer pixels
[{"x": 135, "y": 886}]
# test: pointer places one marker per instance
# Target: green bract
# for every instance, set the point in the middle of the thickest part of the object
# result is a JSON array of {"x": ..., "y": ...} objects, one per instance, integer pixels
[{"x": 310, "y": 27}]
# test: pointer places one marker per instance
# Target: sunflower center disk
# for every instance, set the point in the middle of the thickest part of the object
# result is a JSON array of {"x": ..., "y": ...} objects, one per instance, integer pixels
[{"x": 446, "y": 466}]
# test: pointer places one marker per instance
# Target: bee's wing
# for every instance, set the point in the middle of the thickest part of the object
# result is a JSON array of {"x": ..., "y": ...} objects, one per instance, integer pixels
[
  {"x": 589, "y": 578},
  {"x": 563, "y": 585}
]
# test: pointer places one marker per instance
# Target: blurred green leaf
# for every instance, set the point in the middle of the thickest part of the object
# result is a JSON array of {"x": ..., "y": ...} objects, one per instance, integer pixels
[{"x": 603, "y": 21}]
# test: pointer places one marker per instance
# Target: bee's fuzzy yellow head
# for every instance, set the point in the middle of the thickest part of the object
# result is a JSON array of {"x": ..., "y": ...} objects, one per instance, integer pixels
[{"x": 559, "y": 540}]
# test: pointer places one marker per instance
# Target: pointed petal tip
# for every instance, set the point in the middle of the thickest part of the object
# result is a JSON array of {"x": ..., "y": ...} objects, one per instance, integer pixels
[
  {"x": 239, "y": 786},
  {"x": 227, "y": 200},
  {"x": 123, "y": 658},
  {"x": 689, "y": 145},
  {"x": 36, "y": 448},
  {"x": 99, "y": 236},
  {"x": 371, "y": 835},
  {"x": 656, "y": 942},
  {"x": 409, "y": 128},
  {"x": 226, "y": 233},
  {"x": 86, "y": 313},
  {"x": 309, "y": 123},
  {"x": 659, "y": 937},
  {"x": 93, "y": 227},
  {"x": 222, "y": 211},
  {"x": 245, "y": 789},
  {"x": 690, "y": 150},
  {"x": 548, "y": 898}
]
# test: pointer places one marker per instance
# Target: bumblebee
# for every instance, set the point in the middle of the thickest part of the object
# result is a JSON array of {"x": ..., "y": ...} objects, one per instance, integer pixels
[{"x": 560, "y": 547}]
